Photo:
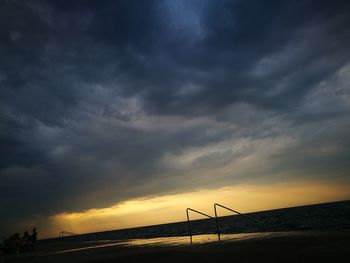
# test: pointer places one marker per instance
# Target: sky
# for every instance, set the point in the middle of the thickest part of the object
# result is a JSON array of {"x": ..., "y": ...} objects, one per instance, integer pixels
[{"x": 118, "y": 114}]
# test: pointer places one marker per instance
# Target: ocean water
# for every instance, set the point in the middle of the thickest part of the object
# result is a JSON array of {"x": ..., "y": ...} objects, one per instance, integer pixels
[{"x": 329, "y": 216}]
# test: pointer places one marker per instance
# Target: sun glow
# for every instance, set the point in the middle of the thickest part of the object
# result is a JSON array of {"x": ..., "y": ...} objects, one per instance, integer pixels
[{"x": 171, "y": 208}]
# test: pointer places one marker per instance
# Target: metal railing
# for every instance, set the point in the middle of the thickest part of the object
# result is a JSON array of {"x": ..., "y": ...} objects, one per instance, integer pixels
[
  {"x": 217, "y": 218},
  {"x": 189, "y": 223},
  {"x": 66, "y": 233},
  {"x": 234, "y": 211}
]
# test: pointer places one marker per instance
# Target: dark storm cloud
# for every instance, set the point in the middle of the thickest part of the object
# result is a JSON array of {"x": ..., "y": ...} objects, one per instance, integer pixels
[{"x": 101, "y": 102}]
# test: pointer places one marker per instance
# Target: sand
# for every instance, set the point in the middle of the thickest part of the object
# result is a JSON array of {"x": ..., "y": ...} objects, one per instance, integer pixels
[{"x": 323, "y": 246}]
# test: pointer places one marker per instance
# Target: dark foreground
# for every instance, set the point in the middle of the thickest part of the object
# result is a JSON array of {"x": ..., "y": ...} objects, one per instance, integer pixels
[{"x": 302, "y": 246}]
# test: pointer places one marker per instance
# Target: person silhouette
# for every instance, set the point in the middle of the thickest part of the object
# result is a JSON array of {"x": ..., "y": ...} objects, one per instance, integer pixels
[
  {"x": 25, "y": 237},
  {"x": 34, "y": 235}
]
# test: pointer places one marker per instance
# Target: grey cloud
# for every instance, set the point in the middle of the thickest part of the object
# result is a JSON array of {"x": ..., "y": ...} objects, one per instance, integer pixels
[{"x": 101, "y": 102}]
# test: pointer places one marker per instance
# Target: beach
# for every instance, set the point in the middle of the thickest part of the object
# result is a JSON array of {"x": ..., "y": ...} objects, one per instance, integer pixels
[
  {"x": 313, "y": 233},
  {"x": 298, "y": 246}
]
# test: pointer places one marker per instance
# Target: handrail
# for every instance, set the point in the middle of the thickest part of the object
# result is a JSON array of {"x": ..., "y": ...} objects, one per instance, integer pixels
[
  {"x": 66, "y": 232},
  {"x": 234, "y": 211},
  {"x": 189, "y": 224}
]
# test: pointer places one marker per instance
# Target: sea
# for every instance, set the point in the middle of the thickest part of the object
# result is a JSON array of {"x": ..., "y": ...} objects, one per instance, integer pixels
[{"x": 319, "y": 217}]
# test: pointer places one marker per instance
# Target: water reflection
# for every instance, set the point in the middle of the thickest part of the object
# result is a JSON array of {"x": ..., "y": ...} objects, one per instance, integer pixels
[
  {"x": 161, "y": 241},
  {"x": 185, "y": 240}
]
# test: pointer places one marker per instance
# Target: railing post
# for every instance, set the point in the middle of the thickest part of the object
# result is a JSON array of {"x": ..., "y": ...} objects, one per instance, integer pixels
[
  {"x": 217, "y": 223},
  {"x": 234, "y": 211},
  {"x": 189, "y": 225},
  {"x": 188, "y": 220}
]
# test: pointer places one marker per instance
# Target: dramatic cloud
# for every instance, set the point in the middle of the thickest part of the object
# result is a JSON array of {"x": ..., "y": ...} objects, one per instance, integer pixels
[{"x": 101, "y": 102}]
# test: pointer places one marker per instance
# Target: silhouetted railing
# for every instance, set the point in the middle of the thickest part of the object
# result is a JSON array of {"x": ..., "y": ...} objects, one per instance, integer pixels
[
  {"x": 189, "y": 223},
  {"x": 63, "y": 233},
  {"x": 234, "y": 211}
]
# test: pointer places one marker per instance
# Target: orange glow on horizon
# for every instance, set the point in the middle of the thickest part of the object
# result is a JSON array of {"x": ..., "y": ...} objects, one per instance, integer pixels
[{"x": 171, "y": 208}]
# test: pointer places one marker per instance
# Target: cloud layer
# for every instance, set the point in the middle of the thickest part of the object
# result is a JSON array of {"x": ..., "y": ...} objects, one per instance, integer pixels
[{"x": 103, "y": 102}]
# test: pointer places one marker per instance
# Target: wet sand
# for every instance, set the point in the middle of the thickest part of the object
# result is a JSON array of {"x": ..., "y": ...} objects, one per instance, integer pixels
[{"x": 322, "y": 246}]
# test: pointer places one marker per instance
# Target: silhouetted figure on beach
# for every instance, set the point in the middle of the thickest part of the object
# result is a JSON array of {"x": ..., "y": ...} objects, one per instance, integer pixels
[
  {"x": 16, "y": 244},
  {"x": 27, "y": 244},
  {"x": 26, "y": 237},
  {"x": 12, "y": 244},
  {"x": 15, "y": 240},
  {"x": 34, "y": 235}
]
